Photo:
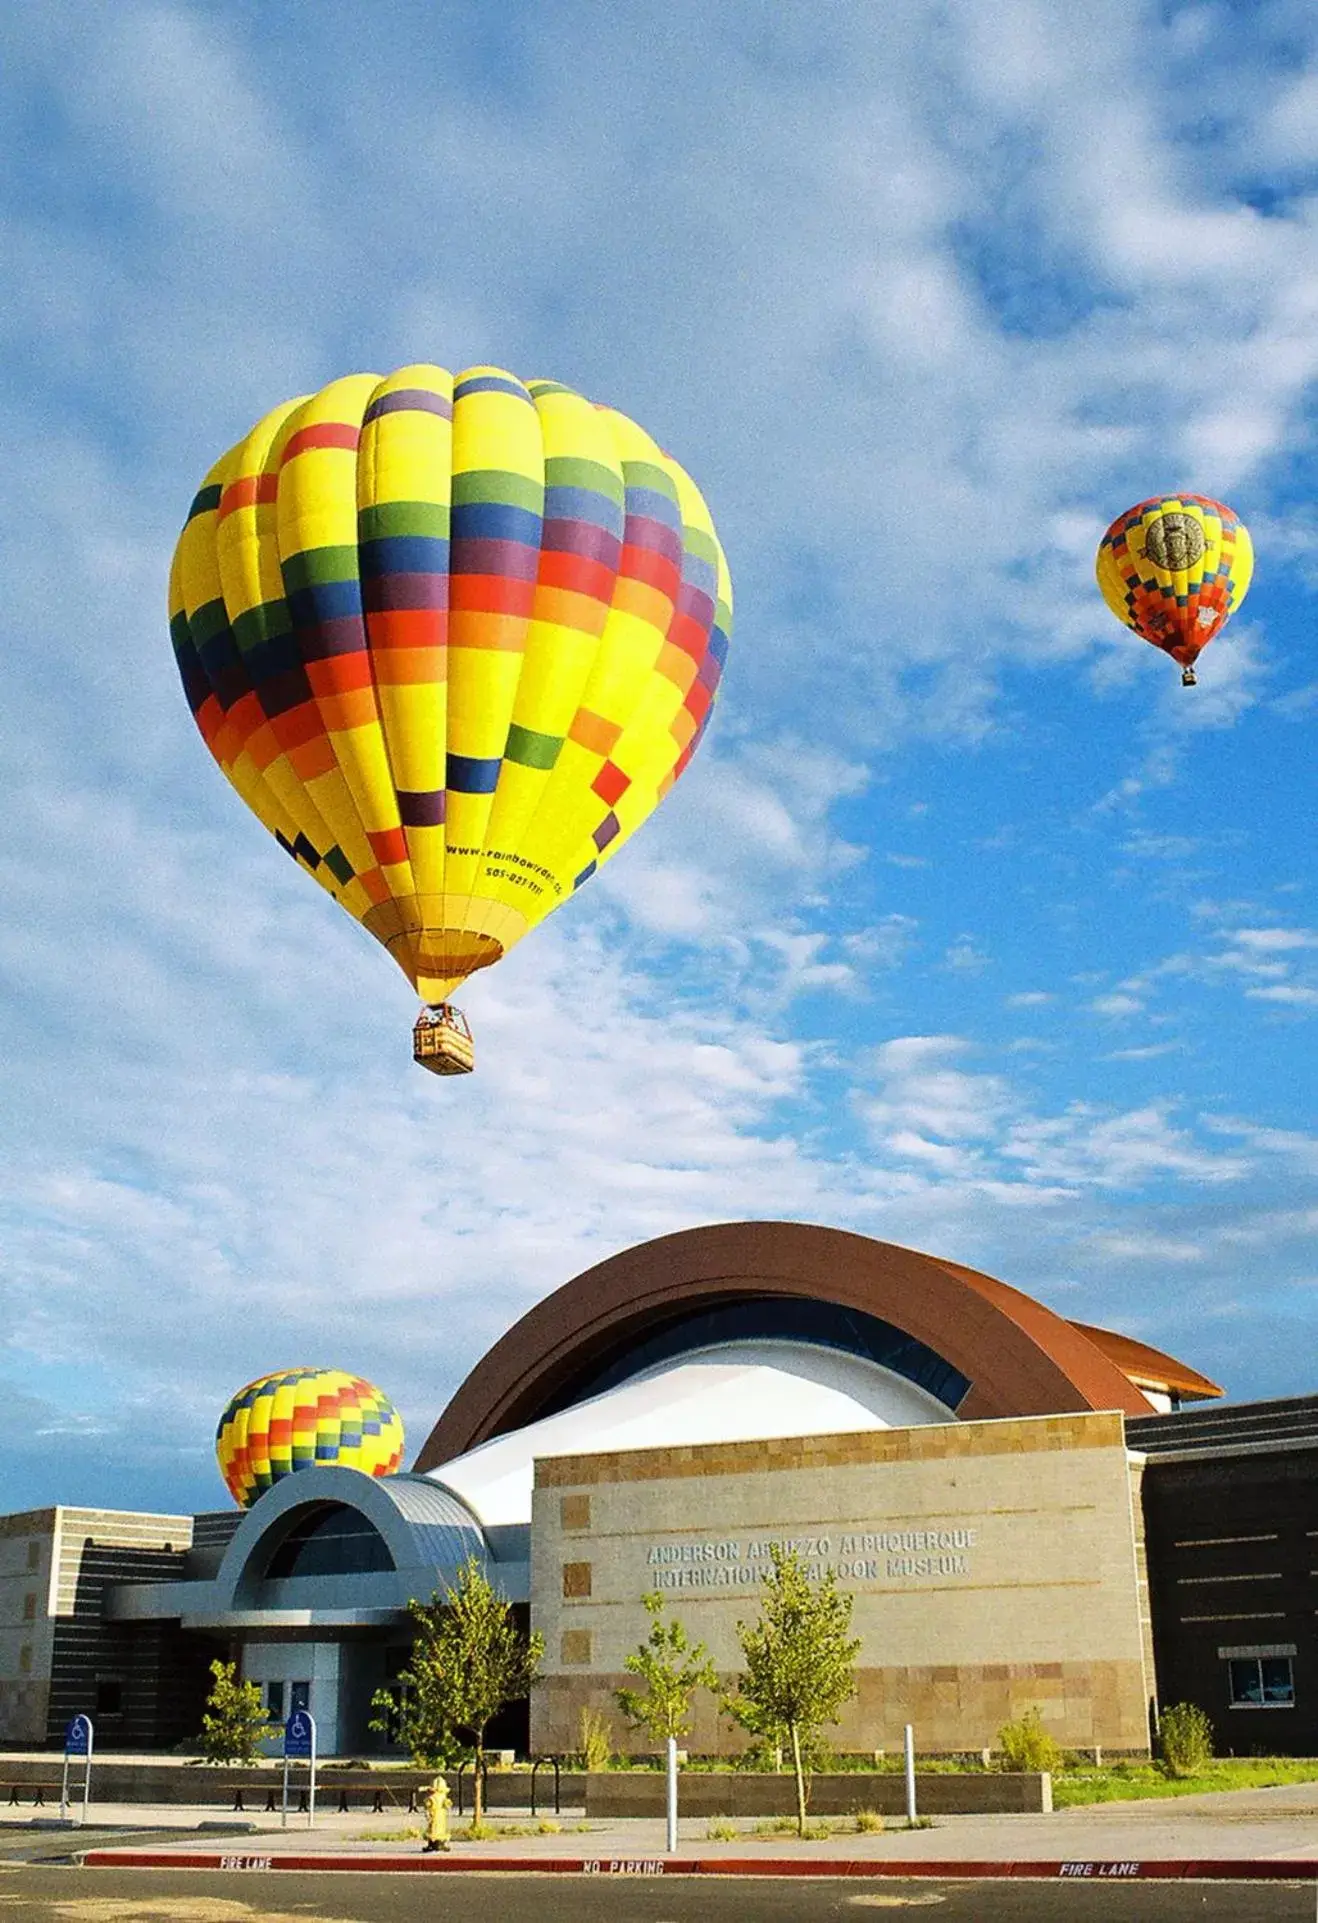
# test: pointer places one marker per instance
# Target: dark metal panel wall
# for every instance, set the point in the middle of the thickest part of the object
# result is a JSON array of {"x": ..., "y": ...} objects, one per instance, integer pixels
[
  {"x": 159, "y": 1673},
  {"x": 1232, "y": 1551}
]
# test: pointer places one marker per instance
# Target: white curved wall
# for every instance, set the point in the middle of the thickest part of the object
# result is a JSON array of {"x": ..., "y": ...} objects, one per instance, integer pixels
[{"x": 729, "y": 1392}]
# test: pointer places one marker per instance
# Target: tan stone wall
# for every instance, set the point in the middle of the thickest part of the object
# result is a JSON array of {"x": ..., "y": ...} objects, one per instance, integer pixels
[
  {"x": 23, "y": 1710},
  {"x": 26, "y": 1574},
  {"x": 993, "y": 1565}
]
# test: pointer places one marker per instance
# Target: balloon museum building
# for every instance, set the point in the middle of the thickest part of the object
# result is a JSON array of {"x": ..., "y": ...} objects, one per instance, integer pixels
[{"x": 1029, "y": 1512}]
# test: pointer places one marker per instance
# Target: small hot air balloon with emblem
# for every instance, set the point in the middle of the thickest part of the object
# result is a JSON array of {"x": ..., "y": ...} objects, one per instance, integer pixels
[
  {"x": 1174, "y": 569},
  {"x": 452, "y": 638}
]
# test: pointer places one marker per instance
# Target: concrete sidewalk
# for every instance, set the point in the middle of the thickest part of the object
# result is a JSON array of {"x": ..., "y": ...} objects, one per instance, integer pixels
[{"x": 1269, "y": 1826}]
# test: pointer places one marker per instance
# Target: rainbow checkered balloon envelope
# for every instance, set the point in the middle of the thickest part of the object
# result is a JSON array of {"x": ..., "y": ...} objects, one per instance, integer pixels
[
  {"x": 452, "y": 638},
  {"x": 303, "y": 1419},
  {"x": 1173, "y": 568}
]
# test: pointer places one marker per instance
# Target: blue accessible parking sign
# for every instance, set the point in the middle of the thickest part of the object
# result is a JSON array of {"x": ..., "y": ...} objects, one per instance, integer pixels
[
  {"x": 78, "y": 1737},
  {"x": 300, "y": 1734}
]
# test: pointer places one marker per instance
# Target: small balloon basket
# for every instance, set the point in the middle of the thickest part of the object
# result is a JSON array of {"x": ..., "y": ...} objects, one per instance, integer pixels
[{"x": 441, "y": 1040}]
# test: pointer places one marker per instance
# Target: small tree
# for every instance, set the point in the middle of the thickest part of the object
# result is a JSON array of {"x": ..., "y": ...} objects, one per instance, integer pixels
[
  {"x": 235, "y": 1719},
  {"x": 672, "y": 1668},
  {"x": 468, "y": 1660},
  {"x": 800, "y": 1660}
]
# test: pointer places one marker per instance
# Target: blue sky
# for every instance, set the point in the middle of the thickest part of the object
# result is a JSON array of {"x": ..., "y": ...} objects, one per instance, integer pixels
[{"x": 968, "y": 928}]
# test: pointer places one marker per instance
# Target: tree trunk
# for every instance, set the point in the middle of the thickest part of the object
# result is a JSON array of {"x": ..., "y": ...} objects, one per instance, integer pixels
[
  {"x": 800, "y": 1779},
  {"x": 478, "y": 1784}
]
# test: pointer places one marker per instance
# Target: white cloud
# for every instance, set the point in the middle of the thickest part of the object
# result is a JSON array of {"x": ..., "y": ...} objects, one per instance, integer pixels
[
  {"x": 1272, "y": 940},
  {"x": 1145, "y": 1249},
  {"x": 1117, "y": 1151},
  {"x": 1117, "y": 1005},
  {"x": 921, "y": 1092},
  {"x": 745, "y": 836},
  {"x": 964, "y": 957},
  {"x": 885, "y": 944}
]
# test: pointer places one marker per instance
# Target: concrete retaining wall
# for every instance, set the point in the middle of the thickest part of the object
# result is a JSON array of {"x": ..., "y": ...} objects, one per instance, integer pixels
[
  {"x": 145, "y": 1782},
  {"x": 751, "y": 1794},
  {"x": 613, "y": 1793}
]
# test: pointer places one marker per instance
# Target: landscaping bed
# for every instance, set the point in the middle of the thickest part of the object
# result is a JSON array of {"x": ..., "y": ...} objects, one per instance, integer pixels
[{"x": 1129, "y": 1782}]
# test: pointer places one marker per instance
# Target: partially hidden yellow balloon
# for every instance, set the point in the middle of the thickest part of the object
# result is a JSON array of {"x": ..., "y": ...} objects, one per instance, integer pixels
[
  {"x": 452, "y": 638},
  {"x": 304, "y": 1419}
]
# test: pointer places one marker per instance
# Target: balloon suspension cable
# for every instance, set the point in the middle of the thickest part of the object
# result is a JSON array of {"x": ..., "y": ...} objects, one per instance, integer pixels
[{"x": 1189, "y": 679}]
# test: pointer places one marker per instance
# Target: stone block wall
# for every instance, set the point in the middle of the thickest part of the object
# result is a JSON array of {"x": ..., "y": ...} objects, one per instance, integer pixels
[{"x": 994, "y": 1567}]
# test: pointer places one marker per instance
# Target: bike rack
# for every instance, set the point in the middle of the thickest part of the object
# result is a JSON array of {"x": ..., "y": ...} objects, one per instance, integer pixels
[{"x": 554, "y": 1763}]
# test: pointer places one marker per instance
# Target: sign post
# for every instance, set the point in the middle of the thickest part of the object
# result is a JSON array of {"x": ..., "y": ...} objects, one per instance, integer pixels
[
  {"x": 300, "y": 1745},
  {"x": 77, "y": 1742}
]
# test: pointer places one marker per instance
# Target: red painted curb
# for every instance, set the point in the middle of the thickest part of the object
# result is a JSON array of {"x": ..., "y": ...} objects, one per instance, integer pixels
[{"x": 1197, "y": 1869}]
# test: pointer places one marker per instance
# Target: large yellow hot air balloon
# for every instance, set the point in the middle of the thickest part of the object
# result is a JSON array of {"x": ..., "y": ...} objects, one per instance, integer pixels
[
  {"x": 452, "y": 638},
  {"x": 1173, "y": 568}
]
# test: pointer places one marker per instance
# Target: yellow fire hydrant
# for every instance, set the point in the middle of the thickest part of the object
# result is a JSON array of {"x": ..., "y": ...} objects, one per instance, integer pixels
[{"x": 437, "y": 1806}]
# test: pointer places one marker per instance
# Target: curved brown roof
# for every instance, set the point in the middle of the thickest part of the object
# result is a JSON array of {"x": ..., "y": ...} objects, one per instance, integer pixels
[
  {"x": 1020, "y": 1357},
  {"x": 1150, "y": 1368}
]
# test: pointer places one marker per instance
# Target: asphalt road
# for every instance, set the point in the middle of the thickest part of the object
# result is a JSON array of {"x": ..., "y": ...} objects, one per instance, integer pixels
[{"x": 50, "y": 1894}]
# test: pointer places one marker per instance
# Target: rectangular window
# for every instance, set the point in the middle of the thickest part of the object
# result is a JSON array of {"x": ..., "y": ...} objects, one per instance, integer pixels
[
  {"x": 109, "y": 1696},
  {"x": 30, "y": 1607},
  {"x": 299, "y": 1696},
  {"x": 1261, "y": 1682},
  {"x": 274, "y": 1701},
  {"x": 34, "y": 1555}
]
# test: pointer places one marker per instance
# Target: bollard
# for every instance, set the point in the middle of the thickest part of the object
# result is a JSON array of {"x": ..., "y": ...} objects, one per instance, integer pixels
[{"x": 672, "y": 1794}]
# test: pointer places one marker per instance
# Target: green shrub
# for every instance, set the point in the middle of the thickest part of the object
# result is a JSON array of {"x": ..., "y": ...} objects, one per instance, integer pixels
[
  {"x": 868, "y": 1822},
  {"x": 764, "y": 1754},
  {"x": 816, "y": 1832},
  {"x": 722, "y": 1831},
  {"x": 1026, "y": 1744},
  {"x": 1185, "y": 1739}
]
